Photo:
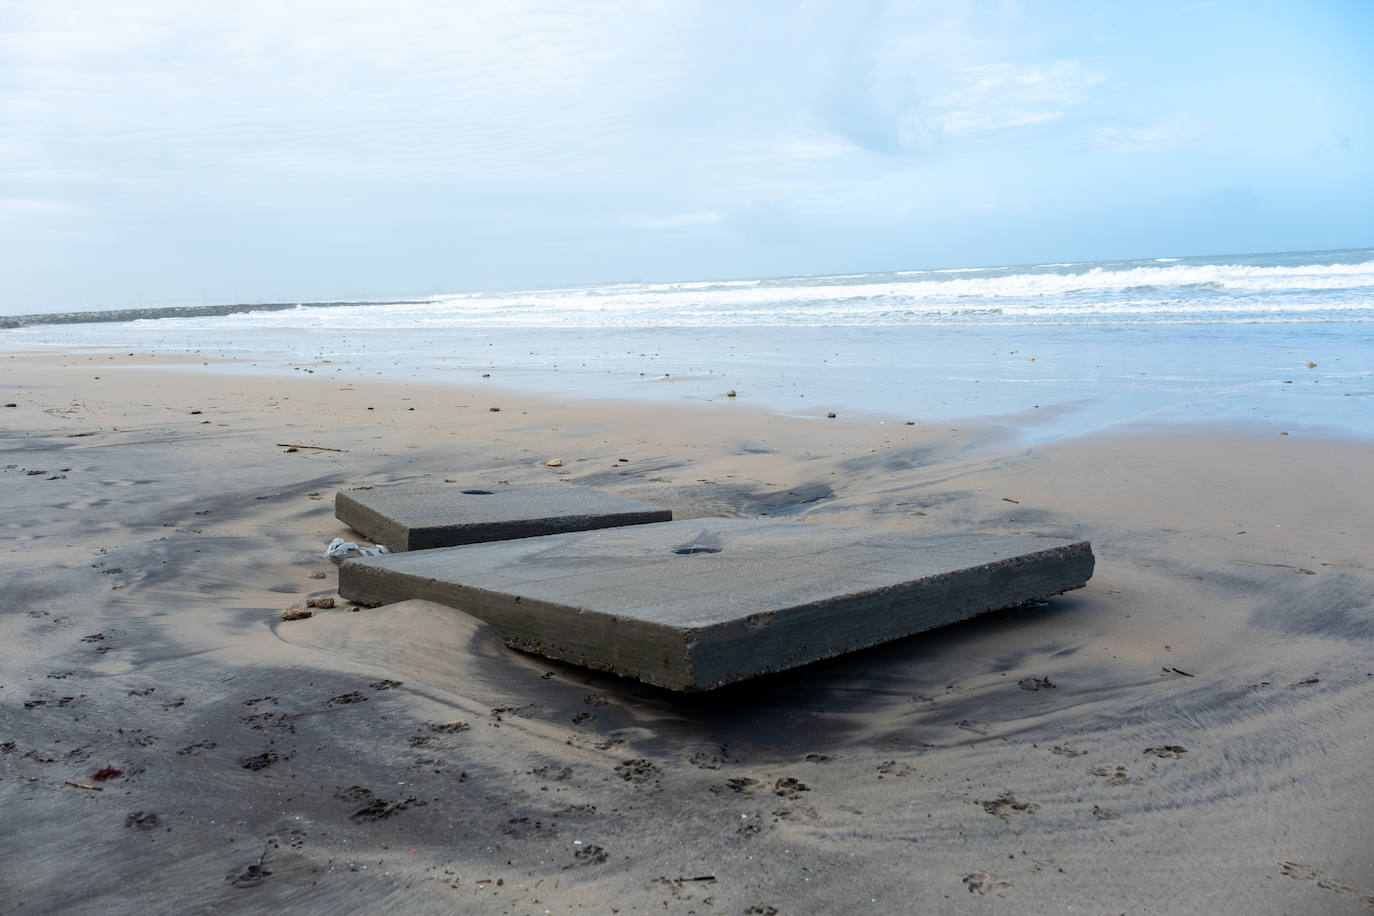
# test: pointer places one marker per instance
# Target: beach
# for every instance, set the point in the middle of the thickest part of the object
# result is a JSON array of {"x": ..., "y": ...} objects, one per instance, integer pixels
[{"x": 1189, "y": 733}]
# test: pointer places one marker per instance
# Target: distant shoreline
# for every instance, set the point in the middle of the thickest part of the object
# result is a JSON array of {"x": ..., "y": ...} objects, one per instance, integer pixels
[{"x": 176, "y": 311}]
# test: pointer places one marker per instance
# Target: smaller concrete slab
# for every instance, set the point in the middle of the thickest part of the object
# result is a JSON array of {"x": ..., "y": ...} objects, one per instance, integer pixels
[
  {"x": 422, "y": 516},
  {"x": 697, "y": 604}
]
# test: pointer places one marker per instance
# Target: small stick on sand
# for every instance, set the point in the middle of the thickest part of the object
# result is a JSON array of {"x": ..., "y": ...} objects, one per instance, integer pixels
[
  {"x": 82, "y": 785},
  {"x": 322, "y": 448}
]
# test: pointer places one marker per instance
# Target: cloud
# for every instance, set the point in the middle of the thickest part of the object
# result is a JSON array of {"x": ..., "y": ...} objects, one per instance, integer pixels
[
  {"x": 466, "y": 92},
  {"x": 910, "y": 79},
  {"x": 1174, "y": 132},
  {"x": 154, "y": 100},
  {"x": 452, "y": 136},
  {"x": 1006, "y": 96}
]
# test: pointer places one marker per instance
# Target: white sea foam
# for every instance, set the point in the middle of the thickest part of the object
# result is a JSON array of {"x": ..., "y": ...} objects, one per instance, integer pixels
[
  {"x": 965, "y": 270},
  {"x": 1142, "y": 292},
  {"x": 701, "y": 284}
]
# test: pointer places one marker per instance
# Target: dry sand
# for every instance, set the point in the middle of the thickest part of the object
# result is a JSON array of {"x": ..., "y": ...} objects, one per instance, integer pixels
[{"x": 1191, "y": 733}]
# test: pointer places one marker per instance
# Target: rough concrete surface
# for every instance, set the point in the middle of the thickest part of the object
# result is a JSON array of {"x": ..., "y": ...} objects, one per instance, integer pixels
[
  {"x": 696, "y": 604},
  {"x": 416, "y": 517}
]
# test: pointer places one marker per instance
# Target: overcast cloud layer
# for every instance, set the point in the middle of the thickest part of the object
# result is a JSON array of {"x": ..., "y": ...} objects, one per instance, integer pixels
[{"x": 174, "y": 153}]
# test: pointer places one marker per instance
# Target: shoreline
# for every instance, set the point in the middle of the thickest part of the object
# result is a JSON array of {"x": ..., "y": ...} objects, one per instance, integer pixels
[
  {"x": 1285, "y": 404},
  {"x": 408, "y": 760}
]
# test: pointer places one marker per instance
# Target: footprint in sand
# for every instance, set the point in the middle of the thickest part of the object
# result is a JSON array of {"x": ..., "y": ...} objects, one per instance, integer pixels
[
  {"x": 427, "y": 765},
  {"x": 552, "y": 771},
  {"x": 265, "y": 720},
  {"x": 1066, "y": 751},
  {"x": 1300, "y": 871},
  {"x": 143, "y": 820},
  {"x": 499, "y": 713},
  {"x": 447, "y": 728},
  {"x": 254, "y": 873},
  {"x": 576, "y": 811},
  {"x": 345, "y": 699},
  {"x": 377, "y": 809},
  {"x": 1006, "y": 804},
  {"x": 639, "y": 772},
  {"x": 259, "y": 761},
  {"x": 1117, "y": 775},
  {"x": 980, "y": 882},
  {"x": 1168, "y": 751},
  {"x": 712, "y": 760},
  {"x": 591, "y": 855},
  {"x": 249, "y": 876},
  {"x": 525, "y": 827},
  {"x": 800, "y": 813}
]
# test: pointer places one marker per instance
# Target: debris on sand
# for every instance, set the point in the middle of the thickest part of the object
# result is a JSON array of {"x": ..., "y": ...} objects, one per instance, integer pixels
[{"x": 341, "y": 549}]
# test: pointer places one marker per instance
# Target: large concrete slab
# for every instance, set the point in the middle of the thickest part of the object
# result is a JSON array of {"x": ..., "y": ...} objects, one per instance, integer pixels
[
  {"x": 696, "y": 604},
  {"x": 415, "y": 517}
]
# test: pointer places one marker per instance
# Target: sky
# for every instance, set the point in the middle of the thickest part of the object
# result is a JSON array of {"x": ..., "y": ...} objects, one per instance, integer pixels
[{"x": 157, "y": 152}]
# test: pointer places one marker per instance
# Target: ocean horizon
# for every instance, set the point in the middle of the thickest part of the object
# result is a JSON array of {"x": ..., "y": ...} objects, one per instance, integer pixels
[{"x": 1282, "y": 340}]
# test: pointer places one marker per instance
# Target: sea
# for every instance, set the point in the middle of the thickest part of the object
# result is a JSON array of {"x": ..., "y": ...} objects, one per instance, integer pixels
[{"x": 1279, "y": 343}]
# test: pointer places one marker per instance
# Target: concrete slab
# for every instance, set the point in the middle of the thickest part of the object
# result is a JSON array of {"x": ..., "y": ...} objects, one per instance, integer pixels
[
  {"x": 696, "y": 604},
  {"x": 415, "y": 517}
]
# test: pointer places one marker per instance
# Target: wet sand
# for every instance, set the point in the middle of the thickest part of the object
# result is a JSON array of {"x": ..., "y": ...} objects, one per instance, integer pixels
[{"x": 1192, "y": 732}]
